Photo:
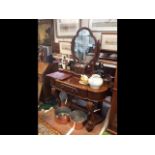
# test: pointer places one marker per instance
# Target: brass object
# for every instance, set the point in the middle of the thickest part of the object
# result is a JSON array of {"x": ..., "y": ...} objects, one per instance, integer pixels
[
  {"x": 78, "y": 118},
  {"x": 84, "y": 80},
  {"x": 62, "y": 115}
]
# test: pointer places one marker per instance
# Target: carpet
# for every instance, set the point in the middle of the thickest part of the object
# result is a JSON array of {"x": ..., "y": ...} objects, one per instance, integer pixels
[
  {"x": 63, "y": 129},
  {"x": 46, "y": 106},
  {"x": 45, "y": 129}
]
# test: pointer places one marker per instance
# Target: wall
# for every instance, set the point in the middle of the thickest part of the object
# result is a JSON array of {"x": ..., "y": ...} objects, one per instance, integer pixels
[{"x": 84, "y": 23}]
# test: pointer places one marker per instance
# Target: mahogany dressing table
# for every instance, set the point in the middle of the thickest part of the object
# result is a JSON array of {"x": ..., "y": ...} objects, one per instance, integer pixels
[{"x": 85, "y": 52}]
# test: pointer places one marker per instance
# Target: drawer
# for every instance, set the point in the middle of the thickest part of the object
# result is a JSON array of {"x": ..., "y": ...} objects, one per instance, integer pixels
[
  {"x": 97, "y": 97},
  {"x": 70, "y": 89}
]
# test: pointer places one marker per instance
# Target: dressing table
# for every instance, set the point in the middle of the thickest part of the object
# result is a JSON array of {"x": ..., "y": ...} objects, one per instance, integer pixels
[{"x": 85, "y": 51}]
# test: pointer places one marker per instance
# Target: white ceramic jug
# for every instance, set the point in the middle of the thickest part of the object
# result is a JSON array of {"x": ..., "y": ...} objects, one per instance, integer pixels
[{"x": 95, "y": 81}]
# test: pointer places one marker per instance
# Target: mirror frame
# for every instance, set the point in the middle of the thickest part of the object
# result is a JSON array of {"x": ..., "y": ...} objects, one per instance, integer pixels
[{"x": 96, "y": 50}]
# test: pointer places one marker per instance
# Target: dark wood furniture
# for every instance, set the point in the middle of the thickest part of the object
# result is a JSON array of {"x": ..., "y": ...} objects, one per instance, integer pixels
[
  {"x": 45, "y": 67},
  {"x": 113, "y": 112},
  {"x": 93, "y": 97},
  {"x": 44, "y": 88},
  {"x": 85, "y": 51},
  {"x": 55, "y": 47}
]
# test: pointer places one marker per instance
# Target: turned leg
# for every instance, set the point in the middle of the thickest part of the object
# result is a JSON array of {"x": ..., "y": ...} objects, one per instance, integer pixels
[
  {"x": 56, "y": 94},
  {"x": 91, "y": 121},
  {"x": 69, "y": 101}
]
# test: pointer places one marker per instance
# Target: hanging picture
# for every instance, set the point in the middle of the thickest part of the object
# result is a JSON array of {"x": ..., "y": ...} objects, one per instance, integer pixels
[
  {"x": 103, "y": 25},
  {"x": 109, "y": 41},
  {"x": 97, "y": 35},
  {"x": 67, "y": 28},
  {"x": 65, "y": 48},
  {"x": 45, "y": 33}
]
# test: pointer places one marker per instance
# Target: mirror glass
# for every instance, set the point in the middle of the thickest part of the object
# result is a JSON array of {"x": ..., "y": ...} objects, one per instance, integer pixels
[{"x": 84, "y": 46}]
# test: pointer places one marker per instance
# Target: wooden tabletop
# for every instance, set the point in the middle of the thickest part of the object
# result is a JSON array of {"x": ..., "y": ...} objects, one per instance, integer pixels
[{"x": 74, "y": 82}]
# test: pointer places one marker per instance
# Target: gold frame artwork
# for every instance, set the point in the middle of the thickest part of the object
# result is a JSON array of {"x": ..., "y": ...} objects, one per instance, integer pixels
[
  {"x": 109, "y": 41},
  {"x": 65, "y": 48},
  {"x": 105, "y": 25},
  {"x": 67, "y": 28},
  {"x": 44, "y": 32}
]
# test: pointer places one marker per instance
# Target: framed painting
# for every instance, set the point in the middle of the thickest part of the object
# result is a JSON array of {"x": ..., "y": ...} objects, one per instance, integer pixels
[
  {"x": 109, "y": 25},
  {"x": 67, "y": 28},
  {"x": 45, "y": 32},
  {"x": 65, "y": 48},
  {"x": 97, "y": 35},
  {"x": 109, "y": 41}
]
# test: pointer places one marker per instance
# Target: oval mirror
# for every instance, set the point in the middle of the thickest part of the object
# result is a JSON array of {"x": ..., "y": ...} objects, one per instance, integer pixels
[{"x": 84, "y": 50}]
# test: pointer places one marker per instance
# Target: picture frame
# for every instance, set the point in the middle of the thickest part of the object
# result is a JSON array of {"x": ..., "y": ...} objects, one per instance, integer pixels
[
  {"x": 45, "y": 32},
  {"x": 97, "y": 35},
  {"x": 106, "y": 25},
  {"x": 65, "y": 48},
  {"x": 109, "y": 41},
  {"x": 67, "y": 28}
]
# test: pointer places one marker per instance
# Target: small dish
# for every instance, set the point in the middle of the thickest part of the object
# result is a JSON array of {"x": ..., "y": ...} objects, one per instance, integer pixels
[{"x": 83, "y": 83}]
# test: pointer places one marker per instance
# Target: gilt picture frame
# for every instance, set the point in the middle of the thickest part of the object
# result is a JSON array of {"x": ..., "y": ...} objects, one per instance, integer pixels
[
  {"x": 65, "y": 48},
  {"x": 67, "y": 28},
  {"x": 45, "y": 32},
  {"x": 109, "y": 42},
  {"x": 105, "y": 25}
]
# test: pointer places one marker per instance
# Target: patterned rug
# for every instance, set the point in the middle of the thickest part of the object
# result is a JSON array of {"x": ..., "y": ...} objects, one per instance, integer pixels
[{"x": 46, "y": 129}]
